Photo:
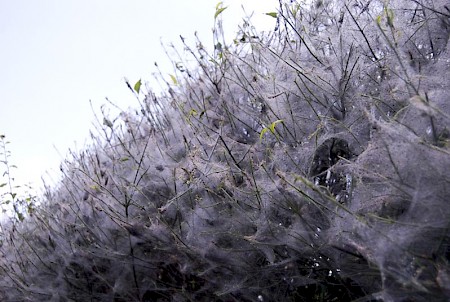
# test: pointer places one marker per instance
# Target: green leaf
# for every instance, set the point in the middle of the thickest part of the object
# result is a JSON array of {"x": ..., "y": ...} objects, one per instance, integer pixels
[
  {"x": 124, "y": 159},
  {"x": 378, "y": 20},
  {"x": 262, "y": 133},
  {"x": 272, "y": 14},
  {"x": 272, "y": 126},
  {"x": 3, "y": 184},
  {"x": 219, "y": 9},
  {"x": 137, "y": 86},
  {"x": 174, "y": 79},
  {"x": 193, "y": 112}
]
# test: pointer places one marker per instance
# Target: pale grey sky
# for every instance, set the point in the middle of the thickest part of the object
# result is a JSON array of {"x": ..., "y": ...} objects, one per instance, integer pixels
[{"x": 56, "y": 55}]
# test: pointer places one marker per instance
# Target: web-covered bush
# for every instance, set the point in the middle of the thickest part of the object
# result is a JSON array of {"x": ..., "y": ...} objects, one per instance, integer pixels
[{"x": 306, "y": 165}]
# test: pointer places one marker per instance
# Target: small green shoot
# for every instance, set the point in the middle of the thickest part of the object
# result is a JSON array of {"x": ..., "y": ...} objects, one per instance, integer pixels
[
  {"x": 379, "y": 20},
  {"x": 219, "y": 9},
  {"x": 271, "y": 128},
  {"x": 174, "y": 79},
  {"x": 193, "y": 112},
  {"x": 137, "y": 86},
  {"x": 272, "y": 14},
  {"x": 190, "y": 114}
]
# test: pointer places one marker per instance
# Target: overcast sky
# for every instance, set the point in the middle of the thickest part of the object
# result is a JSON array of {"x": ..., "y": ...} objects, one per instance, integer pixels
[{"x": 56, "y": 55}]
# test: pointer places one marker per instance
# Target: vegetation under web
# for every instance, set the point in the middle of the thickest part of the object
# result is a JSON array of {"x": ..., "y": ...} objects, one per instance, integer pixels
[{"x": 308, "y": 164}]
